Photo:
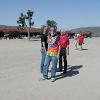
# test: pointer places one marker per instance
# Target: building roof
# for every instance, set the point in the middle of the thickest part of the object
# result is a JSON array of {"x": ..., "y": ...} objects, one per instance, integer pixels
[{"x": 7, "y": 29}]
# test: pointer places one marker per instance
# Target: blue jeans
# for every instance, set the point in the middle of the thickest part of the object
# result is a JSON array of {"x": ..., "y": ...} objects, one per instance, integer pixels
[
  {"x": 49, "y": 59},
  {"x": 43, "y": 56}
]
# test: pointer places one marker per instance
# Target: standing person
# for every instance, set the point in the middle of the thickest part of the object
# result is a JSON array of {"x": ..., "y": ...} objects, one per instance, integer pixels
[
  {"x": 81, "y": 40},
  {"x": 76, "y": 40},
  {"x": 52, "y": 54},
  {"x": 63, "y": 43},
  {"x": 44, "y": 46}
]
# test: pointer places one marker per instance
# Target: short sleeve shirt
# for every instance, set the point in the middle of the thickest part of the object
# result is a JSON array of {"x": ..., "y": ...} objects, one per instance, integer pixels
[{"x": 44, "y": 39}]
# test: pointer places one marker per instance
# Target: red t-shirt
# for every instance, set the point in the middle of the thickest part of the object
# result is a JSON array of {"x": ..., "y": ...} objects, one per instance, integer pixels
[
  {"x": 63, "y": 41},
  {"x": 80, "y": 39}
]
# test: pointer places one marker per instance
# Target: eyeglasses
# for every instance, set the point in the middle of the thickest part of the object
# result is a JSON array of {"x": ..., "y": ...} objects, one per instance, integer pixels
[{"x": 51, "y": 30}]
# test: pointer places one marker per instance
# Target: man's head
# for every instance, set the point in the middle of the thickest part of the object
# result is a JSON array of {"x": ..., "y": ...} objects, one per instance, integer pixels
[
  {"x": 52, "y": 30},
  {"x": 45, "y": 30},
  {"x": 62, "y": 31}
]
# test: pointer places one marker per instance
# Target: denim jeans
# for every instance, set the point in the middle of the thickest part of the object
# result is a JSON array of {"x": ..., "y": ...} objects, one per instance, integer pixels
[
  {"x": 43, "y": 56},
  {"x": 53, "y": 60}
]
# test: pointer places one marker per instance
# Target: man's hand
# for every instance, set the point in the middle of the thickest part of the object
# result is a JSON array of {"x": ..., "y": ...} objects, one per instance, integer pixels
[
  {"x": 68, "y": 50},
  {"x": 58, "y": 56}
]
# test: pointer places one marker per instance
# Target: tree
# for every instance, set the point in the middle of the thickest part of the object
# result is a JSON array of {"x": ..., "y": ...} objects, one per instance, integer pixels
[
  {"x": 51, "y": 23},
  {"x": 29, "y": 18},
  {"x": 22, "y": 21}
]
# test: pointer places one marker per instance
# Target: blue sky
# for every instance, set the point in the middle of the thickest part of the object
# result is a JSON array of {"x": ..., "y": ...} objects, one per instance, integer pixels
[{"x": 68, "y": 14}]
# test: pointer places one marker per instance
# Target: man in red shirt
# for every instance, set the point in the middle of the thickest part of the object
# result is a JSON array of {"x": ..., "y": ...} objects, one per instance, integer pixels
[
  {"x": 80, "y": 40},
  {"x": 63, "y": 43}
]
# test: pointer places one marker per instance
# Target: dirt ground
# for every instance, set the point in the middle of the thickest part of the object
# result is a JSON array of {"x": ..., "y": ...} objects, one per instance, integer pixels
[{"x": 20, "y": 74}]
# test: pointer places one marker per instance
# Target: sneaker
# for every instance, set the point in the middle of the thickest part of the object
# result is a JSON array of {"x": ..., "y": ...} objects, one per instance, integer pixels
[
  {"x": 53, "y": 79},
  {"x": 44, "y": 78}
]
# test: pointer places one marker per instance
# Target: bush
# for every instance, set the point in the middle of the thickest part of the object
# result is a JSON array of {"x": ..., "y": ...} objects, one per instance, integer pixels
[{"x": 36, "y": 37}]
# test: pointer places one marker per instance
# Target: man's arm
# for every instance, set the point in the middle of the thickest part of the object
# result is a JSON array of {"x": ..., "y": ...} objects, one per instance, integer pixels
[
  {"x": 44, "y": 46},
  {"x": 68, "y": 42}
]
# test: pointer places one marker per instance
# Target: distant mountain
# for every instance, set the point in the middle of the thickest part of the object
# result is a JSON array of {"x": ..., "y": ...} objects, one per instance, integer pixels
[
  {"x": 5, "y": 26},
  {"x": 94, "y": 30},
  {"x": 85, "y": 29}
]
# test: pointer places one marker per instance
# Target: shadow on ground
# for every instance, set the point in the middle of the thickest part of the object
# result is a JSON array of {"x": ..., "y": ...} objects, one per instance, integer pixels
[
  {"x": 84, "y": 49},
  {"x": 80, "y": 49},
  {"x": 71, "y": 71}
]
